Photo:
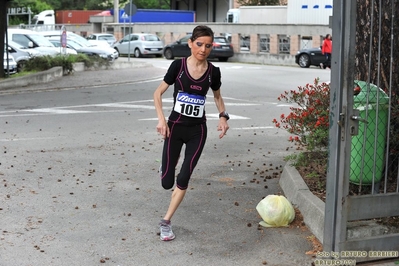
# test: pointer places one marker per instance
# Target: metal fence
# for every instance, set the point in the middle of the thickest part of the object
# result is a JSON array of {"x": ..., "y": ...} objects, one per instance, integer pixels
[{"x": 362, "y": 204}]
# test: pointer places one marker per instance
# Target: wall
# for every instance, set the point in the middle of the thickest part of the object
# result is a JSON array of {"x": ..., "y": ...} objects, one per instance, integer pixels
[
  {"x": 315, "y": 12},
  {"x": 221, "y": 7},
  {"x": 170, "y": 32},
  {"x": 201, "y": 13},
  {"x": 263, "y": 15}
]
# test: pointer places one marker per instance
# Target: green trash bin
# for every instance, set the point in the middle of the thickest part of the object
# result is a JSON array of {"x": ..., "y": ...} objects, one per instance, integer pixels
[{"x": 369, "y": 145}]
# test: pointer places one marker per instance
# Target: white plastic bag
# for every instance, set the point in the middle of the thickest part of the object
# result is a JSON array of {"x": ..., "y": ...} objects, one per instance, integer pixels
[{"x": 275, "y": 211}]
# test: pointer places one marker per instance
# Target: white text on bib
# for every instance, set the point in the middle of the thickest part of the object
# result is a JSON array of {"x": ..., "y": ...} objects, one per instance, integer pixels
[{"x": 191, "y": 105}]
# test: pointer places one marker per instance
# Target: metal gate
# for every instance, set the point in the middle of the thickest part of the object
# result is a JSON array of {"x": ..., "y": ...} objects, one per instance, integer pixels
[{"x": 362, "y": 180}]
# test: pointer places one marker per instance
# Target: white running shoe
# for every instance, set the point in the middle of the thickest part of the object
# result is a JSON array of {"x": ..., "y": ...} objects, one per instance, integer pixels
[{"x": 165, "y": 228}]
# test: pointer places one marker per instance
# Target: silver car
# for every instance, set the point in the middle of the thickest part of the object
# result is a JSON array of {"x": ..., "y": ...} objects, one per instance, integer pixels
[
  {"x": 100, "y": 49},
  {"x": 32, "y": 39},
  {"x": 11, "y": 64},
  {"x": 88, "y": 50},
  {"x": 102, "y": 37},
  {"x": 21, "y": 53},
  {"x": 140, "y": 44}
]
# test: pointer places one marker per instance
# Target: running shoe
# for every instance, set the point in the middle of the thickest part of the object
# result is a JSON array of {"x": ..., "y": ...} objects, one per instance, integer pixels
[{"x": 166, "y": 231}]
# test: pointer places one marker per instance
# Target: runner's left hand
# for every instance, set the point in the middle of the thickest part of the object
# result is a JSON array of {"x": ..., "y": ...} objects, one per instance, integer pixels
[{"x": 222, "y": 126}]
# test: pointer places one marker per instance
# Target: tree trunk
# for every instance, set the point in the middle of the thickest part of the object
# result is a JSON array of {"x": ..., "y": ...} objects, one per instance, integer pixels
[
  {"x": 369, "y": 41},
  {"x": 376, "y": 26}
]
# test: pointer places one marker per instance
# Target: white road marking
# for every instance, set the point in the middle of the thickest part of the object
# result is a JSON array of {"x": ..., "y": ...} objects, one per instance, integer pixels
[
  {"x": 241, "y": 104},
  {"x": 249, "y": 128},
  {"x": 284, "y": 105},
  {"x": 56, "y": 111},
  {"x": 208, "y": 116},
  {"x": 122, "y": 105},
  {"x": 64, "y": 113},
  {"x": 119, "y": 107},
  {"x": 25, "y": 139},
  {"x": 235, "y": 67}
]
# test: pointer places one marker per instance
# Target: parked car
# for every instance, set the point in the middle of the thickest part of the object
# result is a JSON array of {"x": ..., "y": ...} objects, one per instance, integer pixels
[
  {"x": 88, "y": 50},
  {"x": 140, "y": 44},
  {"x": 105, "y": 51},
  {"x": 12, "y": 65},
  {"x": 309, "y": 57},
  {"x": 21, "y": 53},
  {"x": 72, "y": 35},
  {"x": 103, "y": 37},
  {"x": 33, "y": 39},
  {"x": 222, "y": 49}
]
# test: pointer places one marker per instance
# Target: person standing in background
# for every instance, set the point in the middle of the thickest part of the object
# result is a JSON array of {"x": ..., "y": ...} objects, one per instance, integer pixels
[{"x": 326, "y": 50}]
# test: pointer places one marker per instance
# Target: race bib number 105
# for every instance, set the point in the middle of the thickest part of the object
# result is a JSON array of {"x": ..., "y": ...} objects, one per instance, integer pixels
[{"x": 190, "y": 104}]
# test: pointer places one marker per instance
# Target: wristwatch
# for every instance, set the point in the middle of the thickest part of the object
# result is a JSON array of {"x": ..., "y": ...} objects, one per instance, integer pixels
[{"x": 225, "y": 115}]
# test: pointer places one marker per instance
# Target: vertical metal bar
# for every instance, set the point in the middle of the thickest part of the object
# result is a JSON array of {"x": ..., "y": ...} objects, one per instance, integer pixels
[
  {"x": 367, "y": 97},
  {"x": 390, "y": 84},
  {"x": 130, "y": 30},
  {"x": 341, "y": 102},
  {"x": 389, "y": 101},
  {"x": 378, "y": 99}
]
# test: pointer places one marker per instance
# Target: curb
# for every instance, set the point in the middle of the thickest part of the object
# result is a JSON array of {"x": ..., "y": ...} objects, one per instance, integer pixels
[
  {"x": 312, "y": 208},
  {"x": 36, "y": 78},
  {"x": 298, "y": 193}
]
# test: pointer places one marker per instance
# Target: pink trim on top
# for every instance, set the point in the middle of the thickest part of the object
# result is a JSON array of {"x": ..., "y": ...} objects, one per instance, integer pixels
[
  {"x": 179, "y": 75},
  {"x": 191, "y": 163},
  {"x": 188, "y": 73},
  {"x": 181, "y": 86},
  {"x": 168, "y": 156},
  {"x": 197, "y": 151}
]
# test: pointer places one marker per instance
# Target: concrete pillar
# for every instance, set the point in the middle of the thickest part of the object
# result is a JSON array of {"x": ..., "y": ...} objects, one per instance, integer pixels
[
  {"x": 274, "y": 44},
  {"x": 295, "y": 42},
  {"x": 235, "y": 41},
  {"x": 168, "y": 38},
  {"x": 317, "y": 41},
  {"x": 118, "y": 35},
  {"x": 116, "y": 11},
  {"x": 254, "y": 46}
]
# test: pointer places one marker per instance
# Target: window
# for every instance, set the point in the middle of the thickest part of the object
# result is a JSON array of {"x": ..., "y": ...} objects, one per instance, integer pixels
[
  {"x": 151, "y": 38},
  {"x": 264, "y": 43},
  {"x": 21, "y": 39},
  {"x": 306, "y": 42},
  {"x": 284, "y": 44},
  {"x": 185, "y": 39}
]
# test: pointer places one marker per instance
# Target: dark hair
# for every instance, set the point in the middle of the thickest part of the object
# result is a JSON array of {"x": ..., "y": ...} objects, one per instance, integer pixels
[
  {"x": 201, "y": 31},
  {"x": 328, "y": 35}
]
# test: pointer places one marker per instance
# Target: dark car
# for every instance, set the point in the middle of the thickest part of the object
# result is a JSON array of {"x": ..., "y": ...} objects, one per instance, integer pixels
[
  {"x": 221, "y": 49},
  {"x": 309, "y": 57}
]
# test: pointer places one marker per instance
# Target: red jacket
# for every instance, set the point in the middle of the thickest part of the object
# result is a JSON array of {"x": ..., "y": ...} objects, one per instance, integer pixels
[{"x": 327, "y": 46}]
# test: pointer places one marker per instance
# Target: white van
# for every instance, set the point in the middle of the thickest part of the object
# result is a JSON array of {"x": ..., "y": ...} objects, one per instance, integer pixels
[{"x": 32, "y": 39}]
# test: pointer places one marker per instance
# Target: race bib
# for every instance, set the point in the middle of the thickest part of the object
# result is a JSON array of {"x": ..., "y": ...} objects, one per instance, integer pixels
[{"x": 190, "y": 104}]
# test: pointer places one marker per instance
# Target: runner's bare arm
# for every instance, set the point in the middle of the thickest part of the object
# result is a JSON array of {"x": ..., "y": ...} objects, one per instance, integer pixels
[
  {"x": 222, "y": 126},
  {"x": 162, "y": 126}
]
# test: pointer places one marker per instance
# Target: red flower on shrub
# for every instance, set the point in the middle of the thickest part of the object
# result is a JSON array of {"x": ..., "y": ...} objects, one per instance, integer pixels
[{"x": 309, "y": 120}]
